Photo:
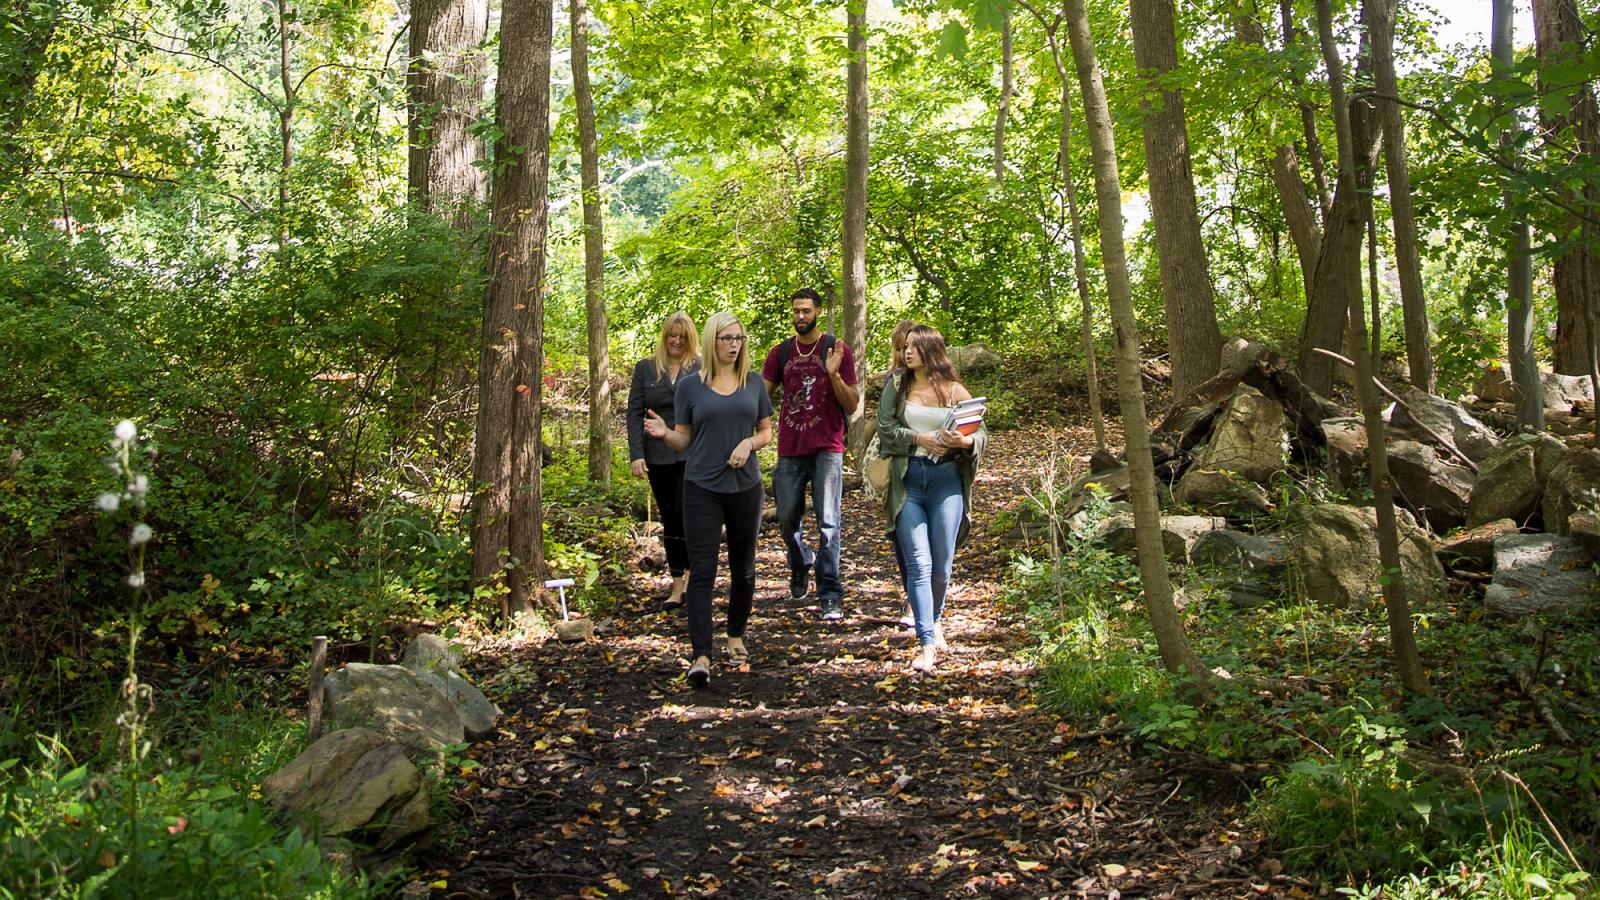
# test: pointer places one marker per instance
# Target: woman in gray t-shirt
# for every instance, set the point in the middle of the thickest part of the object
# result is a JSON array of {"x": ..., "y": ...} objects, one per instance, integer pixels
[{"x": 723, "y": 416}]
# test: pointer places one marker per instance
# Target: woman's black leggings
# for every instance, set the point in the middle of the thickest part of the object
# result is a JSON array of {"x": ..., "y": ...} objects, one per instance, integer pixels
[
  {"x": 666, "y": 483},
  {"x": 704, "y": 515}
]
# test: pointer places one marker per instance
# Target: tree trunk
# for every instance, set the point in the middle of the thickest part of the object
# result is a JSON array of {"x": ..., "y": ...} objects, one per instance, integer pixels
[
  {"x": 1559, "y": 36},
  {"x": 1419, "y": 353},
  {"x": 1176, "y": 653},
  {"x": 1069, "y": 193},
  {"x": 1519, "y": 266},
  {"x": 1408, "y": 664},
  {"x": 285, "y": 125},
  {"x": 444, "y": 90},
  {"x": 594, "y": 251},
  {"x": 854, "y": 233},
  {"x": 1192, "y": 331},
  {"x": 1003, "y": 110},
  {"x": 1298, "y": 212},
  {"x": 507, "y": 511},
  {"x": 1308, "y": 118}
]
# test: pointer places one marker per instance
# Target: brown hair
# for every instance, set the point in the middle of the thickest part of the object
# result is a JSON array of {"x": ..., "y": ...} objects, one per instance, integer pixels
[{"x": 930, "y": 346}]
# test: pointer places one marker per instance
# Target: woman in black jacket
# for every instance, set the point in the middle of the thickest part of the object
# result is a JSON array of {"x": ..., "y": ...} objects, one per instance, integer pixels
[{"x": 654, "y": 388}]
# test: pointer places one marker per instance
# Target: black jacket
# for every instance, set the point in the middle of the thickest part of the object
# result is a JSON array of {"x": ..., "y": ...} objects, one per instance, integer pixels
[{"x": 649, "y": 392}]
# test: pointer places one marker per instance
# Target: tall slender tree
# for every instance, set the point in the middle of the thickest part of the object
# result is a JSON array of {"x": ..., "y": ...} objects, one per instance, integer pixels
[
  {"x": 1002, "y": 110},
  {"x": 1414, "y": 309},
  {"x": 594, "y": 250},
  {"x": 507, "y": 526},
  {"x": 1069, "y": 193},
  {"x": 444, "y": 94},
  {"x": 1176, "y": 653},
  {"x": 1402, "y": 640},
  {"x": 1192, "y": 332},
  {"x": 1519, "y": 264},
  {"x": 1560, "y": 38},
  {"x": 854, "y": 232}
]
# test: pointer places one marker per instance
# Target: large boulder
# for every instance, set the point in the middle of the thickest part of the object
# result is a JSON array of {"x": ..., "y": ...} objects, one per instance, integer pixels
[
  {"x": 1429, "y": 485},
  {"x": 1248, "y": 439},
  {"x": 1541, "y": 573},
  {"x": 1511, "y": 481},
  {"x": 1559, "y": 392},
  {"x": 1178, "y": 534},
  {"x": 477, "y": 712},
  {"x": 353, "y": 783},
  {"x": 1448, "y": 419},
  {"x": 1218, "y": 491},
  {"x": 1472, "y": 550},
  {"x": 1267, "y": 554},
  {"x": 439, "y": 664},
  {"x": 394, "y": 702},
  {"x": 1583, "y": 526},
  {"x": 1336, "y": 549},
  {"x": 432, "y": 653},
  {"x": 1574, "y": 482},
  {"x": 1251, "y": 565},
  {"x": 1346, "y": 440},
  {"x": 974, "y": 358}
]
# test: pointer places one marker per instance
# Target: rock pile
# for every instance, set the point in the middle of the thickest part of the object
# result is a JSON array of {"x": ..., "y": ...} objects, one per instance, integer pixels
[
  {"x": 358, "y": 789},
  {"x": 1473, "y": 498}
]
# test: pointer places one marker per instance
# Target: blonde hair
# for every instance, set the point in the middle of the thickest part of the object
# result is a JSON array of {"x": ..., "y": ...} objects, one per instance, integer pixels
[
  {"x": 710, "y": 367},
  {"x": 691, "y": 353}
]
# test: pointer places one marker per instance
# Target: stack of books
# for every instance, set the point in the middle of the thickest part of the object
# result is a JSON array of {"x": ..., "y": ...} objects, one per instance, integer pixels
[{"x": 966, "y": 416}]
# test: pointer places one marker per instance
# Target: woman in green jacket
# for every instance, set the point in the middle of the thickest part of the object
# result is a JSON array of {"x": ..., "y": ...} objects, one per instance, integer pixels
[{"x": 930, "y": 488}]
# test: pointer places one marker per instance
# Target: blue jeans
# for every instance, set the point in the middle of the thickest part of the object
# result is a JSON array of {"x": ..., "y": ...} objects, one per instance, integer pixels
[
  {"x": 927, "y": 529},
  {"x": 825, "y": 473}
]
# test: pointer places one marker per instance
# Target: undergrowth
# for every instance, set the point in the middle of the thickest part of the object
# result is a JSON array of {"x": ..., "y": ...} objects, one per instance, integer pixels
[{"x": 1468, "y": 792}]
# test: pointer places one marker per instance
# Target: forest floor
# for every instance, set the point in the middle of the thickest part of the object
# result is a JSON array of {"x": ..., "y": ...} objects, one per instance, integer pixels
[{"x": 827, "y": 767}]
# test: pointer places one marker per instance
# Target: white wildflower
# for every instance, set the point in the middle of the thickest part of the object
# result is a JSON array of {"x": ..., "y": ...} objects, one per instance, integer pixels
[
  {"x": 136, "y": 580},
  {"x": 127, "y": 431},
  {"x": 108, "y": 502},
  {"x": 141, "y": 534},
  {"x": 140, "y": 485}
]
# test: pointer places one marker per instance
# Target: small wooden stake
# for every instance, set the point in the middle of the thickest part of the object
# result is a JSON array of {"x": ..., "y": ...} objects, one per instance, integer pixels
[{"x": 319, "y": 661}]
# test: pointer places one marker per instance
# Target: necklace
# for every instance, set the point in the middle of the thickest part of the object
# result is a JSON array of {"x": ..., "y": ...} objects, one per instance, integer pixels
[{"x": 800, "y": 353}]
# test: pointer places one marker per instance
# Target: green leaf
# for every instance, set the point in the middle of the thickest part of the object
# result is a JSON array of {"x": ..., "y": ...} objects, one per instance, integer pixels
[{"x": 953, "y": 40}]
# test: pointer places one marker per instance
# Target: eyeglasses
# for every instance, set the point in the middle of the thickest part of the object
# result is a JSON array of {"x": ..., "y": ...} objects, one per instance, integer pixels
[{"x": 731, "y": 338}]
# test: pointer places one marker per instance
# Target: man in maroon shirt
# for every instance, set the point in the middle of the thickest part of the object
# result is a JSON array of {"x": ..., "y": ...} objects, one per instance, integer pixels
[{"x": 817, "y": 376}]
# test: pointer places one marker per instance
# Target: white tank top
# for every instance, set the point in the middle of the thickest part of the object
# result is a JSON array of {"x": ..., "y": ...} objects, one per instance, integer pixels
[{"x": 925, "y": 418}]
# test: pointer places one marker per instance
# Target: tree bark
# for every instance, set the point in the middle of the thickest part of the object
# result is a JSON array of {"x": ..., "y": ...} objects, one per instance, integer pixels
[
  {"x": 1176, "y": 653},
  {"x": 1003, "y": 109},
  {"x": 1308, "y": 118},
  {"x": 1419, "y": 353},
  {"x": 1519, "y": 266},
  {"x": 507, "y": 539},
  {"x": 1299, "y": 215},
  {"x": 594, "y": 251},
  {"x": 1192, "y": 331},
  {"x": 1559, "y": 37},
  {"x": 1402, "y": 640},
  {"x": 444, "y": 91},
  {"x": 854, "y": 232}
]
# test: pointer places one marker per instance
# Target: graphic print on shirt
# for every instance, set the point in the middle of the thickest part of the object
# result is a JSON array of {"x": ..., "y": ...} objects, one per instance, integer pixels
[{"x": 801, "y": 411}]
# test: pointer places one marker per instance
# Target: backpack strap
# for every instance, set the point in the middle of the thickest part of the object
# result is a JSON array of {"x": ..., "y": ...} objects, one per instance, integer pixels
[{"x": 787, "y": 346}]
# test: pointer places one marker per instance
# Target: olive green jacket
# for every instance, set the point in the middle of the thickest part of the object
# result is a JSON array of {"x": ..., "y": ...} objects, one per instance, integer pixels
[{"x": 896, "y": 441}]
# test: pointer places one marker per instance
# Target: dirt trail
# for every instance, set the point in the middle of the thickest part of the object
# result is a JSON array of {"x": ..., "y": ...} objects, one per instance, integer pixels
[{"x": 828, "y": 768}]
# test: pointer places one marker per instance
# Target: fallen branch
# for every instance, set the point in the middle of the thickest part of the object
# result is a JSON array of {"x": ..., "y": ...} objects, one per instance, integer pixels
[
  {"x": 1533, "y": 691},
  {"x": 1443, "y": 441}
]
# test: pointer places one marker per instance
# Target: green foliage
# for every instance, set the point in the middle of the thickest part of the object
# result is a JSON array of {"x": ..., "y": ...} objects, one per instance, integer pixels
[
  {"x": 284, "y": 398},
  {"x": 192, "y": 827}
]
